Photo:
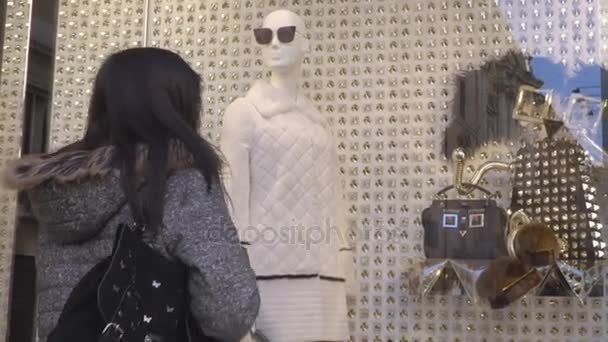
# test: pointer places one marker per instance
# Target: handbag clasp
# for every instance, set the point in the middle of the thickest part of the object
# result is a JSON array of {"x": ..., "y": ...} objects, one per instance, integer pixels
[{"x": 112, "y": 332}]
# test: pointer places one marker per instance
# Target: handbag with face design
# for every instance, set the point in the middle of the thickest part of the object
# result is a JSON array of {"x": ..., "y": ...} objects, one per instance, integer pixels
[{"x": 464, "y": 229}]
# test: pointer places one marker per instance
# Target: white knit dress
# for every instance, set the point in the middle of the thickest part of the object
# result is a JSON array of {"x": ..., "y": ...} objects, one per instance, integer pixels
[{"x": 283, "y": 188}]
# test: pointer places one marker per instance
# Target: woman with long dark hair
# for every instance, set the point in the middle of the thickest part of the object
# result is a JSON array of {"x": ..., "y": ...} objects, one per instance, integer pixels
[{"x": 141, "y": 160}]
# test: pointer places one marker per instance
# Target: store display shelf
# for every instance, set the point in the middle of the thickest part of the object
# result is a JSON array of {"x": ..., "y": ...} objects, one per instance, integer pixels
[{"x": 460, "y": 277}]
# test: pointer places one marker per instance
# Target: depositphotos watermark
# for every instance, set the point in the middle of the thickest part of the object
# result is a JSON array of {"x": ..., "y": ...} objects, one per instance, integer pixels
[
  {"x": 302, "y": 235},
  {"x": 295, "y": 234}
]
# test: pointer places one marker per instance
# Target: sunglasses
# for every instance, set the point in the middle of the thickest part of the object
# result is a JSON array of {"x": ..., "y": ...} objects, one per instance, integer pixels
[{"x": 263, "y": 36}]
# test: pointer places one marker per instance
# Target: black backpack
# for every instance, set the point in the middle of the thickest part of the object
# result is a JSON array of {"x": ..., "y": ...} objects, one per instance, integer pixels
[{"x": 135, "y": 294}]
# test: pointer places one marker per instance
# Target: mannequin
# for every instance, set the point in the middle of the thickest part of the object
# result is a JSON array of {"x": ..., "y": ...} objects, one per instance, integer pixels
[{"x": 283, "y": 187}]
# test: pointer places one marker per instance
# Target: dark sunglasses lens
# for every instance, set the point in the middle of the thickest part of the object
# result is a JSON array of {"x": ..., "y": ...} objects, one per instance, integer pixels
[
  {"x": 286, "y": 34},
  {"x": 263, "y": 35}
]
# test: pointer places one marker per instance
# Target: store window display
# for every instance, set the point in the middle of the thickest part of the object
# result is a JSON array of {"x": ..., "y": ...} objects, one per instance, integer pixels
[
  {"x": 390, "y": 76},
  {"x": 554, "y": 235},
  {"x": 284, "y": 192}
]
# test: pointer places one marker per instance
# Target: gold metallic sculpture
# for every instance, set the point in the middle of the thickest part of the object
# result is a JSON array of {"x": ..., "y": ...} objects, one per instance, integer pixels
[{"x": 505, "y": 280}]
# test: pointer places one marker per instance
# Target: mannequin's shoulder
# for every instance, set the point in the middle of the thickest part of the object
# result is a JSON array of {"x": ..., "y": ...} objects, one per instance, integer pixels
[
  {"x": 310, "y": 110},
  {"x": 239, "y": 109},
  {"x": 238, "y": 115},
  {"x": 237, "y": 106}
]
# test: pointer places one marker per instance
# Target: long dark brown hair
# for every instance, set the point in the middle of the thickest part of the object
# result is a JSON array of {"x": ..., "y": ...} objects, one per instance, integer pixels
[{"x": 148, "y": 97}]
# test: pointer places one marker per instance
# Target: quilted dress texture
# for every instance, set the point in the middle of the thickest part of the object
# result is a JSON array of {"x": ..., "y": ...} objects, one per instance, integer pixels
[{"x": 285, "y": 199}]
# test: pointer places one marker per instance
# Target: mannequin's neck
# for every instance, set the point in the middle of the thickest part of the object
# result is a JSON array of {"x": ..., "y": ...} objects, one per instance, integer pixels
[{"x": 287, "y": 82}]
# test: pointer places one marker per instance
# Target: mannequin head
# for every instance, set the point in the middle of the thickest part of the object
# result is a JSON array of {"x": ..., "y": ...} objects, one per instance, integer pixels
[{"x": 280, "y": 56}]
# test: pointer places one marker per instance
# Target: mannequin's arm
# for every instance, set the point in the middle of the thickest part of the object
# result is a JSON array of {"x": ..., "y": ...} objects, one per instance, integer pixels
[{"x": 235, "y": 146}]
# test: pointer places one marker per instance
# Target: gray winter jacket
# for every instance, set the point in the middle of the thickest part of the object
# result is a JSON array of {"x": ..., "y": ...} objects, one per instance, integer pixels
[{"x": 79, "y": 203}]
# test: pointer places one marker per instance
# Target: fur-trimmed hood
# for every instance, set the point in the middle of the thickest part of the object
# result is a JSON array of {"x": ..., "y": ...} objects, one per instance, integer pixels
[
  {"x": 33, "y": 170},
  {"x": 73, "y": 194}
]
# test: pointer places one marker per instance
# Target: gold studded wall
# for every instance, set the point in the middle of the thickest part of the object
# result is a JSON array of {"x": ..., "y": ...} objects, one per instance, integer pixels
[
  {"x": 12, "y": 98},
  {"x": 382, "y": 72},
  {"x": 89, "y": 30}
]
